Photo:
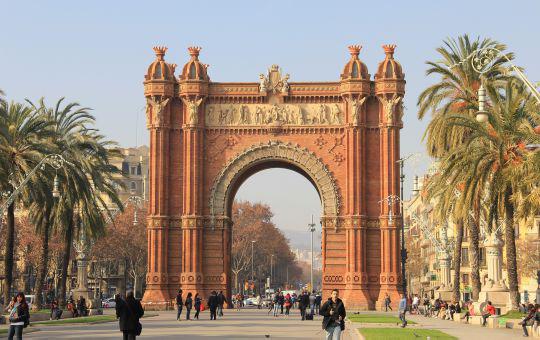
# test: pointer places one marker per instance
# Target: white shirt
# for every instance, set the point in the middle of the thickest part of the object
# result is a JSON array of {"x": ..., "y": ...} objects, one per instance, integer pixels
[
  {"x": 13, "y": 314},
  {"x": 415, "y": 300}
]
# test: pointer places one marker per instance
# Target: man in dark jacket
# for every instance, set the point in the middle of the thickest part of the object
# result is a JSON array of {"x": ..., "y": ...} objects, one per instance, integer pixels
[
  {"x": 179, "y": 305},
  {"x": 129, "y": 311},
  {"x": 334, "y": 314},
  {"x": 213, "y": 303},
  {"x": 221, "y": 300},
  {"x": 303, "y": 303}
]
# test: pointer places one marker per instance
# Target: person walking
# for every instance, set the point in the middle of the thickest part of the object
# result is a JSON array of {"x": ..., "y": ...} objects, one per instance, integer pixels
[
  {"x": 303, "y": 303},
  {"x": 258, "y": 301},
  {"x": 276, "y": 304},
  {"x": 197, "y": 303},
  {"x": 213, "y": 303},
  {"x": 179, "y": 305},
  {"x": 281, "y": 301},
  {"x": 129, "y": 311},
  {"x": 489, "y": 310},
  {"x": 318, "y": 300},
  {"x": 189, "y": 305},
  {"x": 402, "y": 309},
  {"x": 333, "y": 312},
  {"x": 415, "y": 303},
  {"x": 288, "y": 304},
  {"x": 222, "y": 300},
  {"x": 19, "y": 316},
  {"x": 56, "y": 312},
  {"x": 387, "y": 302},
  {"x": 312, "y": 303}
]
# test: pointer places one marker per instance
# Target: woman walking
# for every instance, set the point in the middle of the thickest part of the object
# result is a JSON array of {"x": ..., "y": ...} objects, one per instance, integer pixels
[
  {"x": 189, "y": 305},
  {"x": 288, "y": 304},
  {"x": 19, "y": 316},
  {"x": 129, "y": 311},
  {"x": 198, "y": 302},
  {"x": 334, "y": 314}
]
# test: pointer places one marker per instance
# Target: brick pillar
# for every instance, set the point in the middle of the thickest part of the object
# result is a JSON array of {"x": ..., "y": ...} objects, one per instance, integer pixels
[
  {"x": 356, "y": 293},
  {"x": 191, "y": 278}
]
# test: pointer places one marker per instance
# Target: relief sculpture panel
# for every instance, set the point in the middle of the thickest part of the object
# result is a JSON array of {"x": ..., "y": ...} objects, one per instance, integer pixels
[{"x": 262, "y": 114}]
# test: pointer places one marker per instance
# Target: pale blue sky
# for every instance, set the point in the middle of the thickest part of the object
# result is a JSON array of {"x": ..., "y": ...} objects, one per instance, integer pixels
[{"x": 96, "y": 53}]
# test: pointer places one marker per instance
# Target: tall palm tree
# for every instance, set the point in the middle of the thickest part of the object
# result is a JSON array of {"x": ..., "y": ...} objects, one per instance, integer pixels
[
  {"x": 22, "y": 130},
  {"x": 497, "y": 159},
  {"x": 456, "y": 94},
  {"x": 85, "y": 177}
]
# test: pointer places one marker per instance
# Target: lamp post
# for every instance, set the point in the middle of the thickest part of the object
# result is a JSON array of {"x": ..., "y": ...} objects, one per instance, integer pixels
[
  {"x": 252, "y": 243},
  {"x": 271, "y": 269},
  {"x": 390, "y": 200},
  {"x": 311, "y": 228},
  {"x": 401, "y": 163}
]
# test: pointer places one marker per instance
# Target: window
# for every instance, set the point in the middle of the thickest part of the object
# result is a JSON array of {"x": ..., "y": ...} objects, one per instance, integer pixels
[
  {"x": 133, "y": 186},
  {"x": 465, "y": 234},
  {"x": 482, "y": 256},
  {"x": 465, "y": 279},
  {"x": 125, "y": 168},
  {"x": 139, "y": 169},
  {"x": 133, "y": 170},
  {"x": 465, "y": 257}
]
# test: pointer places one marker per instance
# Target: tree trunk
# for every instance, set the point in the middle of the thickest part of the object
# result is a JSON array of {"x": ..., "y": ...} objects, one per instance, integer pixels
[
  {"x": 43, "y": 262},
  {"x": 474, "y": 251},
  {"x": 510, "y": 244},
  {"x": 8, "y": 257},
  {"x": 68, "y": 240},
  {"x": 456, "y": 295}
]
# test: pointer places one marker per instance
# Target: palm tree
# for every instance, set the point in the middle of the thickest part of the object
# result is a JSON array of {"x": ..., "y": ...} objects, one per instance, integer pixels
[
  {"x": 85, "y": 177},
  {"x": 456, "y": 94},
  {"x": 22, "y": 130},
  {"x": 498, "y": 164}
]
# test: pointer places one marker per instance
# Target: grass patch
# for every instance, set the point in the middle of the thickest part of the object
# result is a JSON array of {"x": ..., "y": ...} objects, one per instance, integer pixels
[
  {"x": 84, "y": 319},
  {"x": 514, "y": 314},
  {"x": 403, "y": 334},
  {"x": 4, "y": 330},
  {"x": 376, "y": 318}
]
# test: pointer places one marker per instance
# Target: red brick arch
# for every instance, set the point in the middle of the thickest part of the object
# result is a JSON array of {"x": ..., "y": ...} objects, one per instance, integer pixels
[{"x": 206, "y": 138}]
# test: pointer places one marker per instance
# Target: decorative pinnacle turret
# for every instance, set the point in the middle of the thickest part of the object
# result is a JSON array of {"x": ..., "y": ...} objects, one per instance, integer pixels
[
  {"x": 160, "y": 51},
  {"x": 354, "y": 50},
  {"x": 194, "y": 52},
  {"x": 389, "y": 50}
]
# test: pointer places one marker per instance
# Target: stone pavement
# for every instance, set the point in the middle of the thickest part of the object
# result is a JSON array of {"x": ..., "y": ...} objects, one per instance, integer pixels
[{"x": 245, "y": 324}]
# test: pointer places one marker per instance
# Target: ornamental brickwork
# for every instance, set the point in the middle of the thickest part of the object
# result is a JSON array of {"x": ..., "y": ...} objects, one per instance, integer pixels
[{"x": 207, "y": 138}]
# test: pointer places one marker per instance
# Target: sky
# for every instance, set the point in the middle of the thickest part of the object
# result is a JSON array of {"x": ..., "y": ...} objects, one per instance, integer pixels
[{"x": 97, "y": 52}]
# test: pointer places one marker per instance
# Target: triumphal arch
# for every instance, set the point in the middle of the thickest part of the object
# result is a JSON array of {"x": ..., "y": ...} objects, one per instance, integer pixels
[{"x": 207, "y": 137}]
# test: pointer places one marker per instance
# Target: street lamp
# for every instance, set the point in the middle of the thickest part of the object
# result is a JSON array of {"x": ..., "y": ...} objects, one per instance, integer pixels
[
  {"x": 311, "y": 228},
  {"x": 252, "y": 243},
  {"x": 271, "y": 269}
]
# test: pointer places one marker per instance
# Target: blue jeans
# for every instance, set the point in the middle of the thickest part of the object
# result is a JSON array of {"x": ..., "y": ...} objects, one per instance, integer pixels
[
  {"x": 402, "y": 318},
  {"x": 333, "y": 333},
  {"x": 276, "y": 309},
  {"x": 179, "y": 311},
  {"x": 15, "y": 331}
]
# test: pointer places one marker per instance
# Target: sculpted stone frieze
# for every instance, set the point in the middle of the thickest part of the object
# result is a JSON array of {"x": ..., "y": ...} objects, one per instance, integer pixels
[{"x": 262, "y": 114}]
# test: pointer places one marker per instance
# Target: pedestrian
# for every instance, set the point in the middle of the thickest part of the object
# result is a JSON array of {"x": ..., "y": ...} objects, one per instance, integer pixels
[
  {"x": 415, "y": 302},
  {"x": 426, "y": 305},
  {"x": 197, "y": 303},
  {"x": 312, "y": 302},
  {"x": 529, "y": 319},
  {"x": 258, "y": 301},
  {"x": 281, "y": 301},
  {"x": 188, "y": 304},
  {"x": 129, "y": 311},
  {"x": 469, "y": 311},
  {"x": 213, "y": 303},
  {"x": 238, "y": 301},
  {"x": 452, "y": 309},
  {"x": 276, "y": 304},
  {"x": 489, "y": 310},
  {"x": 402, "y": 309},
  {"x": 387, "y": 302},
  {"x": 333, "y": 312},
  {"x": 318, "y": 300},
  {"x": 222, "y": 300},
  {"x": 81, "y": 306},
  {"x": 303, "y": 303},
  {"x": 179, "y": 304},
  {"x": 288, "y": 304},
  {"x": 56, "y": 312},
  {"x": 19, "y": 316}
]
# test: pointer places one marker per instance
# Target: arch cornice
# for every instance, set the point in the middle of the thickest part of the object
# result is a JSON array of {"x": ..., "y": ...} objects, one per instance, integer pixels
[{"x": 290, "y": 153}]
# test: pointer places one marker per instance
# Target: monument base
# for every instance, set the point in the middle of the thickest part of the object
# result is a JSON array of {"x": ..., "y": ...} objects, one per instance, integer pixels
[{"x": 498, "y": 294}]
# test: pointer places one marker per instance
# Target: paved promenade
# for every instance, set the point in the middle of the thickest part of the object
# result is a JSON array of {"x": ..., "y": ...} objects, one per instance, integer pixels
[{"x": 245, "y": 324}]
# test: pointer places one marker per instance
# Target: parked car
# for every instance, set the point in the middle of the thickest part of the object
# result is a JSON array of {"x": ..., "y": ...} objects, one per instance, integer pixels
[{"x": 108, "y": 303}]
